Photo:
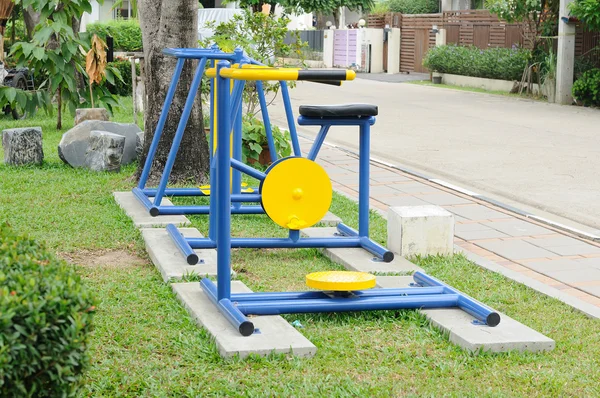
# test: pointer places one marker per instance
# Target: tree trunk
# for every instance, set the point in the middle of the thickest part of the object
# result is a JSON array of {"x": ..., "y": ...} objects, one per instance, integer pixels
[
  {"x": 169, "y": 23},
  {"x": 59, "y": 111},
  {"x": 32, "y": 19}
]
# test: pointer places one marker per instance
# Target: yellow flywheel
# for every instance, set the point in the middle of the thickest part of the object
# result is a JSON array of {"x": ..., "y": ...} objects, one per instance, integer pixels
[
  {"x": 340, "y": 280},
  {"x": 296, "y": 193}
]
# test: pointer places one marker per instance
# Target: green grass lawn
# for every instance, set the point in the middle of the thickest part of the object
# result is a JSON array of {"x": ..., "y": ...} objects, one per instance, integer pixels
[{"x": 145, "y": 343}]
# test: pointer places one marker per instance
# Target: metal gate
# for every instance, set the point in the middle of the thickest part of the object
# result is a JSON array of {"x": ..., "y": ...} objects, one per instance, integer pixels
[{"x": 345, "y": 47}]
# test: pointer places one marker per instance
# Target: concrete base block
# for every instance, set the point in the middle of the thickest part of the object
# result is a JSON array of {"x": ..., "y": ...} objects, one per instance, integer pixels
[
  {"x": 169, "y": 260},
  {"x": 509, "y": 335},
  {"x": 275, "y": 335},
  {"x": 140, "y": 216},
  {"x": 420, "y": 230},
  {"x": 356, "y": 259},
  {"x": 330, "y": 220}
]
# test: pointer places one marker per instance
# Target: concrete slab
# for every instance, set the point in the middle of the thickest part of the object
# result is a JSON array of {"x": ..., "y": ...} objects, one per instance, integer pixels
[
  {"x": 517, "y": 227},
  {"x": 515, "y": 249},
  {"x": 170, "y": 262},
  {"x": 140, "y": 216},
  {"x": 575, "y": 275},
  {"x": 275, "y": 334},
  {"x": 476, "y": 212},
  {"x": 330, "y": 220},
  {"x": 356, "y": 259},
  {"x": 509, "y": 335}
]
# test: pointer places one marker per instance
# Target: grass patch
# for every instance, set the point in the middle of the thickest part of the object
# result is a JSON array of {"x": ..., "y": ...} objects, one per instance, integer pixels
[
  {"x": 474, "y": 90},
  {"x": 145, "y": 343}
]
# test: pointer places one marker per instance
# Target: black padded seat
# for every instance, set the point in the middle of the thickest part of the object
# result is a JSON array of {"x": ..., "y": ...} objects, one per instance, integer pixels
[{"x": 347, "y": 110}]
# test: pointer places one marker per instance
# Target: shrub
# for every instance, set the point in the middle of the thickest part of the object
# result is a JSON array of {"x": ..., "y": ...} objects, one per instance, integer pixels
[
  {"x": 254, "y": 139},
  {"x": 122, "y": 88},
  {"x": 127, "y": 34},
  {"x": 493, "y": 63},
  {"x": 414, "y": 6},
  {"x": 586, "y": 89},
  {"x": 45, "y": 316}
]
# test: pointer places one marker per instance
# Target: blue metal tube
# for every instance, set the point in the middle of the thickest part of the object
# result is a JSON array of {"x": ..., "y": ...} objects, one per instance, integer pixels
[
  {"x": 161, "y": 123},
  {"x": 266, "y": 119},
  {"x": 233, "y": 315},
  {"x": 363, "y": 180},
  {"x": 185, "y": 115},
  {"x": 294, "y": 235},
  {"x": 190, "y": 256},
  {"x": 222, "y": 187},
  {"x": 289, "y": 113},
  {"x": 376, "y": 249},
  {"x": 348, "y": 121},
  {"x": 150, "y": 192},
  {"x": 139, "y": 194},
  {"x": 468, "y": 304},
  {"x": 314, "y": 150},
  {"x": 236, "y": 164},
  {"x": 347, "y": 304},
  {"x": 277, "y": 243},
  {"x": 236, "y": 178},
  {"x": 212, "y": 204},
  {"x": 192, "y": 209},
  {"x": 277, "y": 296},
  {"x": 199, "y": 53},
  {"x": 346, "y": 230}
]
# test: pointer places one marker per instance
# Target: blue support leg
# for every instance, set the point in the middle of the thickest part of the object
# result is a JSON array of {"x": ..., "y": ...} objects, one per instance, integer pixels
[
  {"x": 363, "y": 180},
  {"x": 233, "y": 315},
  {"x": 314, "y": 150},
  {"x": 266, "y": 120},
  {"x": 190, "y": 256},
  {"x": 289, "y": 113}
]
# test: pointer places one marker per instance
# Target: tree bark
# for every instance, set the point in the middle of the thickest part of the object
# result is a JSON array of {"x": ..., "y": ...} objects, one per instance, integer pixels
[
  {"x": 169, "y": 23},
  {"x": 32, "y": 19}
]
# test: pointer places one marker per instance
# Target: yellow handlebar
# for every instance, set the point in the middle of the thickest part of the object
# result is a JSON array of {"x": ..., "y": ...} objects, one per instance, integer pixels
[{"x": 252, "y": 72}]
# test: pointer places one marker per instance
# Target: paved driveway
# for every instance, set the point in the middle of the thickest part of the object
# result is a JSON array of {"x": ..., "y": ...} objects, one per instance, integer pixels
[{"x": 528, "y": 153}]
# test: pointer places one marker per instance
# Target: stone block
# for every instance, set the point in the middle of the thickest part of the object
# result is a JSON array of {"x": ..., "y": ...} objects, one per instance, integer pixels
[
  {"x": 420, "y": 230},
  {"x": 274, "y": 334},
  {"x": 74, "y": 143},
  {"x": 83, "y": 114},
  {"x": 105, "y": 151},
  {"x": 23, "y": 146}
]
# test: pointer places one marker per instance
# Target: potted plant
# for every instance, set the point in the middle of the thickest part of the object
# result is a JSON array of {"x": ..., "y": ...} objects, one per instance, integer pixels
[{"x": 255, "y": 148}]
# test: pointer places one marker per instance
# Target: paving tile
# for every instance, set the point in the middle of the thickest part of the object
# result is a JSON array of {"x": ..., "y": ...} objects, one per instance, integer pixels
[
  {"x": 382, "y": 190},
  {"x": 576, "y": 275},
  {"x": 474, "y": 226},
  {"x": 514, "y": 249},
  {"x": 477, "y": 235},
  {"x": 579, "y": 249},
  {"x": 554, "y": 265},
  {"x": 476, "y": 212},
  {"x": 444, "y": 199},
  {"x": 416, "y": 187},
  {"x": 595, "y": 290},
  {"x": 517, "y": 227},
  {"x": 590, "y": 262},
  {"x": 553, "y": 241},
  {"x": 388, "y": 178},
  {"x": 403, "y": 201}
]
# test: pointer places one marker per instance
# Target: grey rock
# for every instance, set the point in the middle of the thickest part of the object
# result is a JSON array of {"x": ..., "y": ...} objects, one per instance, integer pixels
[
  {"x": 23, "y": 146},
  {"x": 139, "y": 144},
  {"x": 105, "y": 151},
  {"x": 84, "y": 114},
  {"x": 74, "y": 143}
]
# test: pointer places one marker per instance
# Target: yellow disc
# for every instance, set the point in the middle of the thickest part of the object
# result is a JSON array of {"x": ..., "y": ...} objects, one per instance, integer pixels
[
  {"x": 296, "y": 193},
  {"x": 340, "y": 280}
]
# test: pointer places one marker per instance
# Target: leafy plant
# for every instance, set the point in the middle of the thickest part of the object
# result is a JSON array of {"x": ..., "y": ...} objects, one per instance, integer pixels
[
  {"x": 134, "y": 7},
  {"x": 45, "y": 318},
  {"x": 380, "y": 8},
  {"x": 414, "y": 6},
  {"x": 95, "y": 63},
  {"x": 55, "y": 52},
  {"x": 586, "y": 90},
  {"x": 122, "y": 87},
  {"x": 587, "y": 11},
  {"x": 492, "y": 63},
  {"x": 126, "y": 33},
  {"x": 254, "y": 140}
]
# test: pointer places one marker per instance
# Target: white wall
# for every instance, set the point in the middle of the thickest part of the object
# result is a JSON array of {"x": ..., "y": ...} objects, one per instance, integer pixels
[{"x": 374, "y": 38}]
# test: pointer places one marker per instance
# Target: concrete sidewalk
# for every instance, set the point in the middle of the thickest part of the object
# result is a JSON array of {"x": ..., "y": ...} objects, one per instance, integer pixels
[
  {"x": 539, "y": 157},
  {"x": 563, "y": 262}
]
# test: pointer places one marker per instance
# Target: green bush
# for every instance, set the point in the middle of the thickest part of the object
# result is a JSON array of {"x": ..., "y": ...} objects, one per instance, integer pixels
[
  {"x": 493, "y": 63},
  {"x": 122, "y": 88},
  {"x": 414, "y": 6},
  {"x": 45, "y": 316},
  {"x": 254, "y": 139},
  {"x": 126, "y": 33},
  {"x": 586, "y": 89}
]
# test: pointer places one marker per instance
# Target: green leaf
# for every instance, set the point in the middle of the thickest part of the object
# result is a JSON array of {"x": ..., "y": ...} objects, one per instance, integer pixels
[
  {"x": 27, "y": 49},
  {"x": 10, "y": 93},
  {"x": 256, "y": 147},
  {"x": 39, "y": 53}
]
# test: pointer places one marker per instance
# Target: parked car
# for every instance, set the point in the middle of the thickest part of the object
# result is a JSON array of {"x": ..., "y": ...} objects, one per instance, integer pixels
[{"x": 20, "y": 78}]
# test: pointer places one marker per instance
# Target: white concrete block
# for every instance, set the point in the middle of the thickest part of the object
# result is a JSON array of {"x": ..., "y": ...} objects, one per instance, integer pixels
[
  {"x": 509, "y": 335},
  {"x": 168, "y": 259},
  {"x": 141, "y": 217},
  {"x": 424, "y": 230},
  {"x": 274, "y": 334}
]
